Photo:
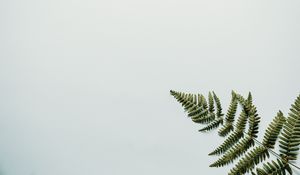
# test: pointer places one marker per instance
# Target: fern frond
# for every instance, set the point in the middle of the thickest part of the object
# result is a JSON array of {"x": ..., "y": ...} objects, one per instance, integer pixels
[
  {"x": 233, "y": 137},
  {"x": 196, "y": 111},
  {"x": 199, "y": 114},
  {"x": 273, "y": 130},
  {"x": 212, "y": 125},
  {"x": 229, "y": 119},
  {"x": 211, "y": 107},
  {"x": 226, "y": 129},
  {"x": 195, "y": 99},
  {"x": 237, "y": 150},
  {"x": 218, "y": 105},
  {"x": 276, "y": 168},
  {"x": 253, "y": 123},
  {"x": 186, "y": 100},
  {"x": 250, "y": 160},
  {"x": 190, "y": 106},
  {"x": 239, "y": 141},
  {"x": 241, "y": 121},
  {"x": 249, "y": 98},
  {"x": 231, "y": 111},
  {"x": 290, "y": 136},
  {"x": 205, "y": 105},
  {"x": 229, "y": 141},
  {"x": 259, "y": 154},
  {"x": 239, "y": 98},
  {"x": 199, "y": 101},
  {"x": 183, "y": 98},
  {"x": 189, "y": 102},
  {"x": 243, "y": 145},
  {"x": 205, "y": 119}
]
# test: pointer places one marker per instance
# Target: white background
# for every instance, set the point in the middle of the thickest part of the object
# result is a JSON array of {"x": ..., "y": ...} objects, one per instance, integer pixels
[{"x": 84, "y": 85}]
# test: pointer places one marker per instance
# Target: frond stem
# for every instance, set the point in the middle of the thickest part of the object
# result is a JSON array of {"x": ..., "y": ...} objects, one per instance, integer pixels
[
  {"x": 271, "y": 151},
  {"x": 276, "y": 154}
]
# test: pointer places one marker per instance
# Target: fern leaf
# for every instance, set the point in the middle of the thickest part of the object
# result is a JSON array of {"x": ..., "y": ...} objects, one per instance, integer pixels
[
  {"x": 202, "y": 113},
  {"x": 249, "y": 98},
  {"x": 233, "y": 137},
  {"x": 241, "y": 121},
  {"x": 218, "y": 106},
  {"x": 229, "y": 119},
  {"x": 258, "y": 154},
  {"x": 195, "y": 99},
  {"x": 250, "y": 160},
  {"x": 205, "y": 105},
  {"x": 205, "y": 119},
  {"x": 211, "y": 107},
  {"x": 273, "y": 130},
  {"x": 243, "y": 145},
  {"x": 290, "y": 136},
  {"x": 196, "y": 111},
  {"x": 190, "y": 106},
  {"x": 239, "y": 98},
  {"x": 238, "y": 142},
  {"x": 212, "y": 125},
  {"x": 234, "y": 152},
  {"x": 276, "y": 168},
  {"x": 199, "y": 101},
  {"x": 229, "y": 141},
  {"x": 253, "y": 123},
  {"x": 226, "y": 129}
]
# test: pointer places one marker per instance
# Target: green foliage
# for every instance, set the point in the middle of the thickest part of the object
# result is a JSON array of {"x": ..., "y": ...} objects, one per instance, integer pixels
[
  {"x": 250, "y": 160},
  {"x": 228, "y": 143},
  {"x": 244, "y": 144},
  {"x": 219, "y": 113},
  {"x": 229, "y": 119},
  {"x": 278, "y": 168},
  {"x": 290, "y": 137},
  {"x": 273, "y": 131},
  {"x": 260, "y": 153},
  {"x": 238, "y": 141},
  {"x": 234, "y": 152},
  {"x": 212, "y": 125},
  {"x": 211, "y": 107}
]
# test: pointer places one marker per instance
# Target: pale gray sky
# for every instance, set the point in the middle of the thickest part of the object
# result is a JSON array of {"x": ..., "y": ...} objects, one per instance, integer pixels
[{"x": 84, "y": 85}]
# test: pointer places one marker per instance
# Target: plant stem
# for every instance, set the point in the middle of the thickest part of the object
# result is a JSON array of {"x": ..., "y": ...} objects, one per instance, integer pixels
[{"x": 271, "y": 151}]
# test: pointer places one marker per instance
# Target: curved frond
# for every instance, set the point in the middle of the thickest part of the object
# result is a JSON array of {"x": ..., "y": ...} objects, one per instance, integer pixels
[
  {"x": 237, "y": 150},
  {"x": 278, "y": 168},
  {"x": 253, "y": 123},
  {"x": 259, "y": 154},
  {"x": 229, "y": 119},
  {"x": 199, "y": 100},
  {"x": 218, "y": 106},
  {"x": 204, "y": 102},
  {"x": 211, "y": 107},
  {"x": 241, "y": 121},
  {"x": 197, "y": 110},
  {"x": 229, "y": 141},
  {"x": 239, "y": 98},
  {"x": 249, "y": 98},
  {"x": 242, "y": 145},
  {"x": 290, "y": 136},
  {"x": 226, "y": 129},
  {"x": 205, "y": 118},
  {"x": 200, "y": 114},
  {"x": 238, "y": 142},
  {"x": 212, "y": 125},
  {"x": 184, "y": 99},
  {"x": 233, "y": 137},
  {"x": 250, "y": 160},
  {"x": 273, "y": 130}
]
